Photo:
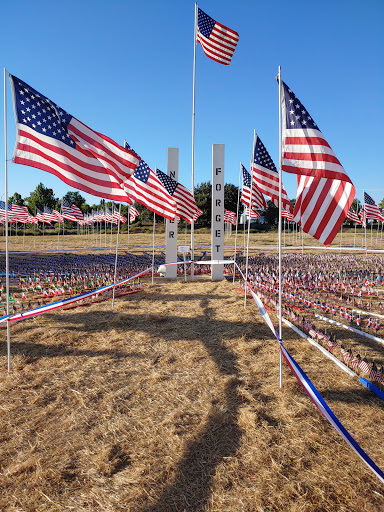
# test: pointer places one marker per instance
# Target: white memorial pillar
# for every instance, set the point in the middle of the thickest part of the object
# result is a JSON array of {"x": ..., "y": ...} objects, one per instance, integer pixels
[
  {"x": 171, "y": 225},
  {"x": 217, "y": 221}
]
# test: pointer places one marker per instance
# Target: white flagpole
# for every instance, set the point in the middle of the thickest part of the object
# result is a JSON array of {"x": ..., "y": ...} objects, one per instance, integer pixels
[
  {"x": 117, "y": 248},
  {"x": 237, "y": 220},
  {"x": 365, "y": 229},
  {"x": 128, "y": 221},
  {"x": 280, "y": 195},
  {"x": 249, "y": 224},
  {"x": 6, "y": 221},
  {"x": 193, "y": 139},
  {"x": 153, "y": 243}
]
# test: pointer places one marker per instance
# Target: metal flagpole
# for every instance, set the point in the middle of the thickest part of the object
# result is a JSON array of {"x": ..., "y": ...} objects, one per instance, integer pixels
[
  {"x": 117, "y": 248},
  {"x": 280, "y": 195},
  {"x": 6, "y": 221},
  {"x": 249, "y": 224},
  {"x": 365, "y": 229},
  {"x": 153, "y": 243},
  {"x": 193, "y": 139},
  {"x": 128, "y": 221},
  {"x": 237, "y": 220}
]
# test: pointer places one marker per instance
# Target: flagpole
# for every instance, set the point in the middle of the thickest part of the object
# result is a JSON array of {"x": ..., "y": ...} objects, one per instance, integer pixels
[
  {"x": 249, "y": 224},
  {"x": 117, "y": 248},
  {"x": 365, "y": 229},
  {"x": 237, "y": 217},
  {"x": 280, "y": 195},
  {"x": 193, "y": 140},
  {"x": 153, "y": 242},
  {"x": 128, "y": 221},
  {"x": 6, "y": 221}
]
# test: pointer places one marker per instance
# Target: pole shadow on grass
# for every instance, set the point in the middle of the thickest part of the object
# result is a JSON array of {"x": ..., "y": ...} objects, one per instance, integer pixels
[{"x": 219, "y": 439}]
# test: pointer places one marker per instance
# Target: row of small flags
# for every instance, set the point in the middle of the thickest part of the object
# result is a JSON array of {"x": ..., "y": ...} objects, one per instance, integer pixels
[{"x": 69, "y": 212}]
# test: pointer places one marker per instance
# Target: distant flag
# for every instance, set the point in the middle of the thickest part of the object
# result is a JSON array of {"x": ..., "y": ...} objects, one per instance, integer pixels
[
  {"x": 40, "y": 217},
  {"x": 146, "y": 188},
  {"x": 59, "y": 218},
  {"x": 352, "y": 215},
  {"x": 71, "y": 211},
  {"x": 19, "y": 213},
  {"x": 258, "y": 200},
  {"x": 287, "y": 215},
  {"x": 371, "y": 209},
  {"x": 186, "y": 206},
  {"x": 266, "y": 176},
  {"x": 325, "y": 192},
  {"x": 48, "y": 215},
  {"x": 363, "y": 218},
  {"x": 218, "y": 41},
  {"x": 253, "y": 215},
  {"x": 116, "y": 216},
  {"x": 2, "y": 210},
  {"x": 133, "y": 213},
  {"x": 52, "y": 140},
  {"x": 108, "y": 215},
  {"x": 230, "y": 217}
]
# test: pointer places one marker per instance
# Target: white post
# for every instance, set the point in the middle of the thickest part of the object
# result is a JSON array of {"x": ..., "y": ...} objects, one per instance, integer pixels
[
  {"x": 171, "y": 226},
  {"x": 193, "y": 140},
  {"x": 217, "y": 221},
  {"x": 280, "y": 195},
  {"x": 128, "y": 222},
  {"x": 117, "y": 248},
  {"x": 6, "y": 222},
  {"x": 237, "y": 220},
  {"x": 153, "y": 243}
]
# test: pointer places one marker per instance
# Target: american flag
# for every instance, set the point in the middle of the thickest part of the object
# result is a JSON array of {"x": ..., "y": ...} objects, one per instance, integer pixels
[
  {"x": 40, "y": 217},
  {"x": 19, "y": 213},
  {"x": 257, "y": 200},
  {"x": 287, "y": 215},
  {"x": 364, "y": 366},
  {"x": 253, "y": 215},
  {"x": 116, "y": 216},
  {"x": 48, "y": 215},
  {"x": 52, "y": 140},
  {"x": 325, "y": 192},
  {"x": 146, "y": 188},
  {"x": 218, "y": 41},
  {"x": 108, "y": 215},
  {"x": 347, "y": 356},
  {"x": 71, "y": 211},
  {"x": 371, "y": 209},
  {"x": 363, "y": 218},
  {"x": 186, "y": 206},
  {"x": 2, "y": 210},
  {"x": 133, "y": 213},
  {"x": 265, "y": 175},
  {"x": 58, "y": 216},
  {"x": 230, "y": 217},
  {"x": 352, "y": 215},
  {"x": 356, "y": 360}
]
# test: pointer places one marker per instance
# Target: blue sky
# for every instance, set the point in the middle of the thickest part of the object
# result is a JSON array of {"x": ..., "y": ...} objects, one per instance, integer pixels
[{"x": 125, "y": 69}]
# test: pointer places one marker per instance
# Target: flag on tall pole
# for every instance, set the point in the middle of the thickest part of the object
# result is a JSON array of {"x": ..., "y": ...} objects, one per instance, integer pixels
[
  {"x": 352, "y": 215},
  {"x": 230, "y": 217},
  {"x": 217, "y": 41},
  {"x": 265, "y": 175},
  {"x": 52, "y": 140},
  {"x": 70, "y": 211},
  {"x": 325, "y": 192}
]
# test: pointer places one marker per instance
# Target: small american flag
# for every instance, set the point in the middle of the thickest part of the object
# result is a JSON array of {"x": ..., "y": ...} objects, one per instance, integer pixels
[
  {"x": 356, "y": 360},
  {"x": 325, "y": 193},
  {"x": 347, "y": 356},
  {"x": 371, "y": 209},
  {"x": 287, "y": 215},
  {"x": 265, "y": 175},
  {"x": 352, "y": 215},
  {"x": 230, "y": 217},
  {"x": 71, "y": 211},
  {"x": 118, "y": 216},
  {"x": 186, "y": 206},
  {"x": 52, "y": 140},
  {"x": 257, "y": 199},
  {"x": 364, "y": 366},
  {"x": 251, "y": 214},
  {"x": 218, "y": 41},
  {"x": 133, "y": 213},
  {"x": 48, "y": 215}
]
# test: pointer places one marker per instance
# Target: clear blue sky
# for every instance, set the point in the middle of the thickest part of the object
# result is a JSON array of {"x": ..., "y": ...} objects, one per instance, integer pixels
[{"x": 125, "y": 69}]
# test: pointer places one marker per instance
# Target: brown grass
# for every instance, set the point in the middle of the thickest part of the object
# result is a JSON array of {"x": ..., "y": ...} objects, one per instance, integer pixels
[{"x": 171, "y": 402}]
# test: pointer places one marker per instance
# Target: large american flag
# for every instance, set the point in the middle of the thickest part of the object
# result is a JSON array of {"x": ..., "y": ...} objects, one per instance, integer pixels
[
  {"x": 186, "y": 206},
  {"x": 265, "y": 174},
  {"x": 70, "y": 211},
  {"x": 52, "y": 140},
  {"x": 146, "y": 188},
  {"x": 325, "y": 192},
  {"x": 218, "y": 41},
  {"x": 371, "y": 209},
  {"x": 230, "y": 217},
  {"x": 258, "y": 200}
]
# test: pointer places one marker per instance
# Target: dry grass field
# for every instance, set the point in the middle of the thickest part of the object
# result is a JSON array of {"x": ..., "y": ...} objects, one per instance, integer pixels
[{"x": 171, "y": 402}]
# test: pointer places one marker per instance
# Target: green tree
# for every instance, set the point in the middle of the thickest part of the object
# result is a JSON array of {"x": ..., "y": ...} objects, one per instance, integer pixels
[
  {"x": 271, "y": 214},
  {"x": 203, "y": 198},
  {"x": 40, "y": 197},
  {"x": 16, "y": 199}
]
